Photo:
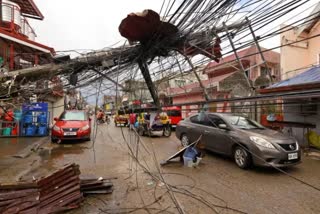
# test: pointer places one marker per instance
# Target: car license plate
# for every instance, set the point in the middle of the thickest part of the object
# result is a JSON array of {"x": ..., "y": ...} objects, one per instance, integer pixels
[
  {"x": 70, "y": 133},
  {"x": 292, "y": 156}
]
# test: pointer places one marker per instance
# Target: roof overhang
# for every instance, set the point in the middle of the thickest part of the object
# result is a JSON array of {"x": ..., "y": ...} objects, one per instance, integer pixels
[
  {"x": 29, "y": 9},
  {"x": 301, "y": 87},
  {"x": 314, "y": 14},
  {"x": 26, "y": 42}
]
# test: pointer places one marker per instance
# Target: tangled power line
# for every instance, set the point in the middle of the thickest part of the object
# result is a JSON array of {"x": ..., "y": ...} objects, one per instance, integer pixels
[{"x": 196, "y": 17}]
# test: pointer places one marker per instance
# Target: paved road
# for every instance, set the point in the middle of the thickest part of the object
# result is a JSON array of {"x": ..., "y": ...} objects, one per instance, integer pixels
[
  {"x": 216, "y": 181},
  {"x": 11, "y": 146}
]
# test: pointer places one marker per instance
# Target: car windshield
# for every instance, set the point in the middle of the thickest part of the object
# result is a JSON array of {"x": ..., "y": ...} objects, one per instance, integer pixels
[
  {"x": 174, "y": 113},
  {"x": 81, "y": 116},
  {"x": 242, "y": 122}
]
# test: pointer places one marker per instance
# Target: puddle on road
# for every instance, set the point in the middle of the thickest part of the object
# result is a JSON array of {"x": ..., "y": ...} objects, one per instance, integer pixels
[
  {"x": 53, "y": 155},
  {"x": 11, "y": 146}
]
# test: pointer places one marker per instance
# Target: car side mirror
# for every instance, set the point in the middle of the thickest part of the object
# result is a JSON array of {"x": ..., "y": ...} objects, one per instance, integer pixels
[
  {"x": 55, "y": 119},
  {"x": 223, "y": 126}
]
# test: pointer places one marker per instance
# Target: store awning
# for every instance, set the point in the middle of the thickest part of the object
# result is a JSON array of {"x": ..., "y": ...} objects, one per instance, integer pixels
[{"x": 309, "y": 79}]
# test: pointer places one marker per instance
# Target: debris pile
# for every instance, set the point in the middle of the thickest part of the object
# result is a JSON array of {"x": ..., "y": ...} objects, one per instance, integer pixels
[
  {"x": 95, "y": 186},
  {"x": 61, "y": 191}
]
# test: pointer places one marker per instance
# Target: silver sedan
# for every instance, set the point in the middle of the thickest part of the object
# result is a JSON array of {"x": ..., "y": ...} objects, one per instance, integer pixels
[{"x": 245, "y": 140}]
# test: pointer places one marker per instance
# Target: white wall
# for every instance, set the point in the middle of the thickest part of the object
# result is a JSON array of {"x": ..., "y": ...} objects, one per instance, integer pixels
[{"x": 56, "y": 108}]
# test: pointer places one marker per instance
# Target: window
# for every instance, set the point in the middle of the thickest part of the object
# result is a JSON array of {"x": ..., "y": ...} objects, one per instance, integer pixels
[
  {"x": 247, "y": 72},
  {"x": 199, "y": 118},
  {"x": 214, "y": 121},
  {"x": 174, "y": 113},
  {"x": 180, "y": 82},
  {"x": 242, "y": 122},
  {"x": 81, "y": 116},
  {"x": 195, "y": 119}
]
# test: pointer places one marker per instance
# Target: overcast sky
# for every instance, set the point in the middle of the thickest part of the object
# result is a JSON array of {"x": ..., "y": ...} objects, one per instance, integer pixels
[{"x": 81, "y": 24}]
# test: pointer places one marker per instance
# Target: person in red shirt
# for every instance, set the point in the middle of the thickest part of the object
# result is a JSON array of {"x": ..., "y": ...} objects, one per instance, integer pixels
[
  {"x": 100, "y": 116},
  {"x": 132, "y": 120}
]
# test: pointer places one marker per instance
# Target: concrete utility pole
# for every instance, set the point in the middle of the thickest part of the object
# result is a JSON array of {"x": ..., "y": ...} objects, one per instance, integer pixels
[
  {"x": 206, "y": 96},
  {"x": 236, "y": 55},
  {"x": 146, "y": 75},
  {"x": 260, "y": 51}
]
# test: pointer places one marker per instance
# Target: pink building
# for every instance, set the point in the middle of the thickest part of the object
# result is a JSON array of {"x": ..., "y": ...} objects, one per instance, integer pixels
[{"x": 226, "y": 81}]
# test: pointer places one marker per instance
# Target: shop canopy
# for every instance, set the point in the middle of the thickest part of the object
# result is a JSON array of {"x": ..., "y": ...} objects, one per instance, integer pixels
[{"x": 309, "y": 79}]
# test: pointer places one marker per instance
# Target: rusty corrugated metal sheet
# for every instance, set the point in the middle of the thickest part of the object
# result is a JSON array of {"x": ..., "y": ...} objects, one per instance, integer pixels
[{"x": 61, "y": 191}]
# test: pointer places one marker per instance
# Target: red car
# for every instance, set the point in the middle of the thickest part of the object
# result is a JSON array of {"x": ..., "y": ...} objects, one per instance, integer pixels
[{"x": 71, "y": 125}]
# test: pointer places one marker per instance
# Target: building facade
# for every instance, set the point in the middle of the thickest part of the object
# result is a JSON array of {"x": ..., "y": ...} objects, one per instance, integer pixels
[
  {"x": 296, "y": 55},
  {"x": 18, "y": 48},
  {"x": 300, "y": 71},
  {"x": 225, "y": 80}
]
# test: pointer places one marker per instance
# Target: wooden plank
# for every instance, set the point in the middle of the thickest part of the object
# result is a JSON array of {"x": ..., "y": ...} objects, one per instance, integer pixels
[
  {"x": 177, "y": 154},
  {"x": 107, "y": 191},
  {"x": 97, "y": 187},
  {"x": 17, "y": 186},
  {"x": 16, "y": 194}
]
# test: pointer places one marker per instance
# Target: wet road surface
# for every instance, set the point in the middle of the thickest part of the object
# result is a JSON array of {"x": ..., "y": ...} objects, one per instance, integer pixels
[
  {"x": 217, "y": 182},
  {"x": 11, "y": 146}
]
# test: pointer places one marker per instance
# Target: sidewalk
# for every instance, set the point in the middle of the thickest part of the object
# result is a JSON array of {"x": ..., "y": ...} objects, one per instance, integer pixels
[
  {"x": 12, "y": 146},
  {"x": 16, "y": 156}
]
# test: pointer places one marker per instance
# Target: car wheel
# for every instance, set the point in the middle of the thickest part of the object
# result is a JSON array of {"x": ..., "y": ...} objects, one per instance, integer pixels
[
  {"x": 167, "y": 131},
  {"x": 54, "y": 140},
  {"x": 242, "y": 157},
  {"x": 115, "y": 124},
  {"x": 185, "y": 140}
]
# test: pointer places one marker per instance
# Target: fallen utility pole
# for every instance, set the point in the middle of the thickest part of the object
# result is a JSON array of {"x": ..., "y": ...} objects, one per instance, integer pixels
[
  {"x": 236, "y": 55},
  {"x": 146, "y": 75},
  {"x": 259, "y": 49},
  {"x": 206, "y": 96},
  {"x": 90, "y": 59}
]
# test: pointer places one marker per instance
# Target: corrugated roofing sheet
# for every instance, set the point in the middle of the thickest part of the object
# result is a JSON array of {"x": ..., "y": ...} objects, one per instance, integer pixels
[{"x": 310, "y": 76}]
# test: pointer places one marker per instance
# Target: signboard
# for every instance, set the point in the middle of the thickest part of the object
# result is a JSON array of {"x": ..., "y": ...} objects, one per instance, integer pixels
[{"x": 35, "y": 107}]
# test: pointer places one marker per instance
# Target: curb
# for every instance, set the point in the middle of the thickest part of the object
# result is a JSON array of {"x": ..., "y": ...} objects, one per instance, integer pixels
[{"x": 32, "y": 148}]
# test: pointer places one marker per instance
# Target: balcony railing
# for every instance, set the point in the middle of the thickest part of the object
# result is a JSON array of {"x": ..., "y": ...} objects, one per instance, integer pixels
[{"x": 14, "y": 22}]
